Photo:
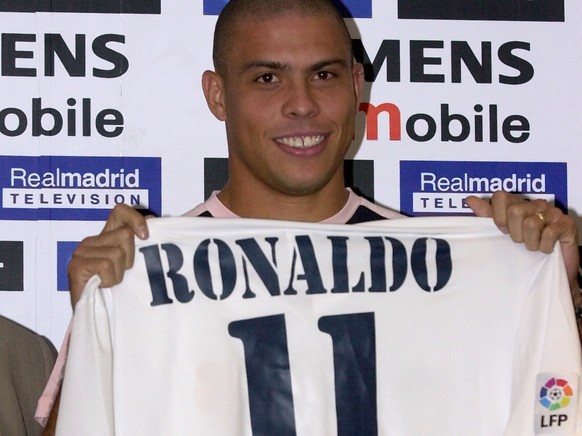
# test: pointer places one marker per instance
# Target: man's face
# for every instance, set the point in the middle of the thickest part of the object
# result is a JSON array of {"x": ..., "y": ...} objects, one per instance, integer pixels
[{"x": 290, "y": 94}]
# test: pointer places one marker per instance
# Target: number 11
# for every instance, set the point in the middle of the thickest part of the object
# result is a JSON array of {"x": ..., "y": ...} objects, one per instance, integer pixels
[{"x": 269, "y": 376}]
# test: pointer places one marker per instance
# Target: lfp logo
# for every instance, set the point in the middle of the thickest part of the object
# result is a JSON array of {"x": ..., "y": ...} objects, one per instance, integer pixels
[
  {"x": 556, "y": 394},
  {"x": 348, "y": 8},
  {"x": 556, "y": 405}
]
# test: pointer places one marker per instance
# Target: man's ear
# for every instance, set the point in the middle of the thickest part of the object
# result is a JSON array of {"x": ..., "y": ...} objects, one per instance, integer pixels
[
  {"x": 358, "y": 78},
  {"x": 213, "y": 87}
]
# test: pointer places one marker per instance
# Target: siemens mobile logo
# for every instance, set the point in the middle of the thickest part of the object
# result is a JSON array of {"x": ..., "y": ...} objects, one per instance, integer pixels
[
  {"x": 440, "y": 187},
  {"x": 76, "y": 188},
  {"x": 348, "y": 8},
  {"x": 83, "y": 6},
  {"x": 494, "y": 10}
]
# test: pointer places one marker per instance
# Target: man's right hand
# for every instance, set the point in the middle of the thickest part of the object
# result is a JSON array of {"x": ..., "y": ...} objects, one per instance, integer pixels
[{"x": 108, "y": 254}]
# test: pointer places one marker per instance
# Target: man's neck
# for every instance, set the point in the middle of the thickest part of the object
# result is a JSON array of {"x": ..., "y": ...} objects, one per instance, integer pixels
[{"x": 314, "y": 207}]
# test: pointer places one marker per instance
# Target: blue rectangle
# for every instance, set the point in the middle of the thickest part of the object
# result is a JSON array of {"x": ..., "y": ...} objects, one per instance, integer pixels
[
  {"x": 355, "y": 8},
  {"x": 214, "y": 7},
  {"x": 348, "y": 8},
  {"x": 46, "y": 188},
  {"x": 65, "y": 251},
  {"x": 438, "y": 187}
]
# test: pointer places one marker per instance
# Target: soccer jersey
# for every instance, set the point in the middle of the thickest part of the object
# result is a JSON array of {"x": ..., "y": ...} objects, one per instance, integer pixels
[
  {"x": 431, "y": 326},
  {"x": 356, "y": 210}
]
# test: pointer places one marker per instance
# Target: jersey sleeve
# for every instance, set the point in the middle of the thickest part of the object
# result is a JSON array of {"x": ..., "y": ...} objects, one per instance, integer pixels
[
  {"x": 86, "y": 406},
  {"x": 547, "y": 363}
]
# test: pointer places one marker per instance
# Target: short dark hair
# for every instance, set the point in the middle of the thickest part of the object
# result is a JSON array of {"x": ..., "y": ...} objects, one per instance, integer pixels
[{"x": 237, "y": 10}]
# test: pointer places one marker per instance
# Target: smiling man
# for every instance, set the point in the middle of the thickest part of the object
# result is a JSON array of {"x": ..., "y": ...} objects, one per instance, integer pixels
[
  {"x": 286, "y": 86},
  {"x": 289, "y": 113}
]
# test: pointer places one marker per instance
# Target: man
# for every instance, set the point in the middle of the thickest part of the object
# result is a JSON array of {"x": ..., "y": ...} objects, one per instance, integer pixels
[
  {"x": 287, "y": 88},
  {"x": 26, "y": 360}
]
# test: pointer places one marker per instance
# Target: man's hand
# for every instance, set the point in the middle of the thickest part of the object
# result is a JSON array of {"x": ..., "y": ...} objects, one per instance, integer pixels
[
  {"x": 109, "y": 254},
  {"x": 535, "y": 223}
]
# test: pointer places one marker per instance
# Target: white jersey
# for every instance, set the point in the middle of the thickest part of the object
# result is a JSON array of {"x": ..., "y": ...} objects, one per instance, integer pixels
[{"x": 428, "y": 326}]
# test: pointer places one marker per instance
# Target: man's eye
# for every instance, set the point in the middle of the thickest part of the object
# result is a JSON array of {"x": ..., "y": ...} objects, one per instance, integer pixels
[
  {"x": 324, "y": 75},
  {"x": 266, "y": 78}
]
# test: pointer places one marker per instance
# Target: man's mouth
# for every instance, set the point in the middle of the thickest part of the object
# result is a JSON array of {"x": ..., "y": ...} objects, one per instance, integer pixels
[{"x": 301, "y": 141}]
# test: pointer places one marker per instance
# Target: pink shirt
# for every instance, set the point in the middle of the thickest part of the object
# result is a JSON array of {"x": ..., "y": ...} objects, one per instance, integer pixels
[{"x": 218, "y": 210}]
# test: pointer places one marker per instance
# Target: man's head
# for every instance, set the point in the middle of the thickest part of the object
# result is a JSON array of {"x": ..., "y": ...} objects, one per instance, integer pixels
[
  {"x": 237, "y": 10},
  {"x": 287, "y": 88}
]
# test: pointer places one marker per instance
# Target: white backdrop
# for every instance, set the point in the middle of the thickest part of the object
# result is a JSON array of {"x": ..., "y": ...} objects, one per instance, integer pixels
[{"x": 150, "y": 105}]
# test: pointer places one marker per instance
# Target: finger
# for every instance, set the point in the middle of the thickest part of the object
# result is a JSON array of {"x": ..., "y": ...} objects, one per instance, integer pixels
[
  {"x": 520, "y": 217},
  {"x": 558, "y": 227},
  {"x": 562, "y": 228},
  {"x": 533, "y": 227},
  {"x": 480, "y": 206},
  {"x": 500, "y": 203},
  {"x": 123, "y": 215},
  {"x": 81, "y": 269},
  {"x": 552, "y": 227},
  {"x": 119, "y": 242},
  {"x": 107, "y": 255},
  {"x": 542, "y": 230}
]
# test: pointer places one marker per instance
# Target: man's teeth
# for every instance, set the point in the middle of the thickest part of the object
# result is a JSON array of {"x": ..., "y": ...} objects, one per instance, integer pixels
[{"x": 302, "y": 141}]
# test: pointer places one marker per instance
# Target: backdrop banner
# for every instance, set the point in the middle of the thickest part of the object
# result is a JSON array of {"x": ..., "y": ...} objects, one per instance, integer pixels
[{"x": 101, "y": 103}]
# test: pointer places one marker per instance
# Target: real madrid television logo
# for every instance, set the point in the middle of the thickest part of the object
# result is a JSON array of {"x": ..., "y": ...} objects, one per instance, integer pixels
[{"x": 556, "y": 394}]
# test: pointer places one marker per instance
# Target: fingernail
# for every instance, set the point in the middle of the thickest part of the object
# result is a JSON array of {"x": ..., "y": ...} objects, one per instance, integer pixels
[{"x": 142, "y": 232}]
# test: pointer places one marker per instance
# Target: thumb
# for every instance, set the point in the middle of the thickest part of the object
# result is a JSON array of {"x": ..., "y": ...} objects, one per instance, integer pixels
[{"x": 481, "y": 207}]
